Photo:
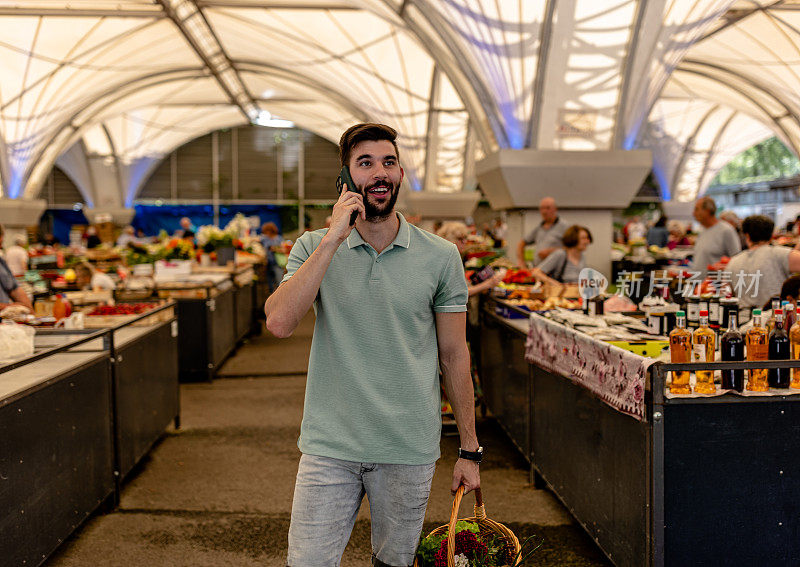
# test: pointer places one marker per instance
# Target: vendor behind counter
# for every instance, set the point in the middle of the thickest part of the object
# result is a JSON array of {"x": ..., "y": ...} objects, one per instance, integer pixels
[
  {"x": 90, "y": 277},
  {"x": 774, "y": 263}
]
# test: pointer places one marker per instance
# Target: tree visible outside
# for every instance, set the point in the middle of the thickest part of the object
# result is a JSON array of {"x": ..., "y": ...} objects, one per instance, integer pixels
[{"x": 763, "y": 162}]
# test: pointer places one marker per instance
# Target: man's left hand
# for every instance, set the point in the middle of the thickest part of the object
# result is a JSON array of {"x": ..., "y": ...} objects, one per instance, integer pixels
[{"x": 466, "y": 472}]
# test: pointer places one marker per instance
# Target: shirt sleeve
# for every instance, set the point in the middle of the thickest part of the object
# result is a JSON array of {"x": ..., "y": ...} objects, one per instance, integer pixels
[
  {"x": 7, "y": 279},
  {"x": 551, "y": 263},
  {"x": 732, "y": 243},
  {"x": 531, "y": 238},
  {"x": 301, "y": 250},
  {"x": 451, "y": 293}
]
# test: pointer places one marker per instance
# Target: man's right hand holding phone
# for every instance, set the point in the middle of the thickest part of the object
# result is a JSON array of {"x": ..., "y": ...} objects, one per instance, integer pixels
[{"x": 348, "y": 202}]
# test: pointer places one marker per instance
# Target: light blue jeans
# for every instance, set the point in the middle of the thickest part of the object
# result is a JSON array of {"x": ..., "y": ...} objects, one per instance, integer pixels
[{"x": 327, "y": 496}]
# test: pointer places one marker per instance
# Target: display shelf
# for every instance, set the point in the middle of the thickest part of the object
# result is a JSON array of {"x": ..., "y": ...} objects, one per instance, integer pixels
[
  {"x": 682, "y": 486},
  {"x": 76, "y": 417}
]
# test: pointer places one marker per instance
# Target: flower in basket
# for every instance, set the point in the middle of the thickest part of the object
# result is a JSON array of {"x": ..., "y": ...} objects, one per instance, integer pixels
[{"x": 468, "y": 546}]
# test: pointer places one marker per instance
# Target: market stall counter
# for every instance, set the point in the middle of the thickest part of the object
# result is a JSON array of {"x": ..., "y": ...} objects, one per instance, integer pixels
[
  {"x": 655, "y": 479},
  {"x": 207, "y": 321},
  {"x": 76, "y": 416}
]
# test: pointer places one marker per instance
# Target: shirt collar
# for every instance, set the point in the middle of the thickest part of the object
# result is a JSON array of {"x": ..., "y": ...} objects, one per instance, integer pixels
[
  {"x": 555, "y": 222},
  {"x": 402, "y": 239}
]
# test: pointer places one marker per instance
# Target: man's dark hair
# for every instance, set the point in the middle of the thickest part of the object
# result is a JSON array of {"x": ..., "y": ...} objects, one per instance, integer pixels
[
  {"x": 791, "y": 288},
  {"x": 759, "y": 228},
  {"x": 365, "y": 132},
  {"x": 573, "y": 234}
]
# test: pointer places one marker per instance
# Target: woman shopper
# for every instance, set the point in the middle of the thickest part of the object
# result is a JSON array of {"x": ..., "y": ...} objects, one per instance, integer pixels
[
  {"x": 457, "y": 233},
  {"x": 565, "y": 264}
]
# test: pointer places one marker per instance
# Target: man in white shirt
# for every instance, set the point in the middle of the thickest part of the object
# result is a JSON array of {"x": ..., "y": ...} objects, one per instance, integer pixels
[
  {"x": 718, "y": 238},
  {"x": 547, "y": 236},
  {"x": 17, "y": 256}
]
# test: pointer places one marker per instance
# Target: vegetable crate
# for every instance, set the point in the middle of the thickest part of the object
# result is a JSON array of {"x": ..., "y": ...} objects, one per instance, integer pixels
[{"x": 99, "y": 321}]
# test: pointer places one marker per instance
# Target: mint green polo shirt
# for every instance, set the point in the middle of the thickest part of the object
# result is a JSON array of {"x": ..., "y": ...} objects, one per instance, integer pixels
[{"x": 372, "y": 393}]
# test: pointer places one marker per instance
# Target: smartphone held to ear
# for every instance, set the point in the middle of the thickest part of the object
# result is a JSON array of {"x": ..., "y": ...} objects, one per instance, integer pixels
[{"x": 345, "y": 179}]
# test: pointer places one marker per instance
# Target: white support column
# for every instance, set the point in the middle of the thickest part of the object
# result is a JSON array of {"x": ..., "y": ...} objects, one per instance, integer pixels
[
  {"x": 301, "y": 186},
  {"x": 432, "y": 134},
  {"x": 215, "y": 174},
  {"x": 587, "y": 186},
  {"x": 16, "y": 215}
]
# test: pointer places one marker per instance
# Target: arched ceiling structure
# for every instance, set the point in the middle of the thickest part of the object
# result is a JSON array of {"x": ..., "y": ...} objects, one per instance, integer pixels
[
  {"x": 120, "y": 83},
  {"x": 736, "y": 86}
]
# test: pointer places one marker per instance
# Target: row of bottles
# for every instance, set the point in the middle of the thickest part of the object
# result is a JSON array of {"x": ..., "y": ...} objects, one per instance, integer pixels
[{"x": 758, "y": 343}]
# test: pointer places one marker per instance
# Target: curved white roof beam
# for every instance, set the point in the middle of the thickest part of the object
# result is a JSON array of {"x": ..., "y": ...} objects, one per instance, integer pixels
[
  {"x": 63, "y": 72},
  {"x": 749, "y": 63},
  {"x": 174, "y": 113},
  {"x": 692, "y": 139},
  {"x": 539, "y": 64}
]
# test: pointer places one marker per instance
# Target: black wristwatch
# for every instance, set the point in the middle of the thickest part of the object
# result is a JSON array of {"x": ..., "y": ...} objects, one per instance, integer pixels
[{"x": 476, "y": 456}]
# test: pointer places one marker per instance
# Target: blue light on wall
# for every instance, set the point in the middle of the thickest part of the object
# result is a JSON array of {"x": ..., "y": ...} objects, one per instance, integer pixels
[
  {"x": 663, "y": 183},
  {"x": 138, "y": 170},
  {"x": 15, "y": 185}
]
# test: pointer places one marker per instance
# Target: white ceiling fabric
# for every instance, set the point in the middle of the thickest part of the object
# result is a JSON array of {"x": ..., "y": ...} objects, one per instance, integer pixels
[
  {"x": 458, "y": 78},
  {"x": 747, "y": 66}
]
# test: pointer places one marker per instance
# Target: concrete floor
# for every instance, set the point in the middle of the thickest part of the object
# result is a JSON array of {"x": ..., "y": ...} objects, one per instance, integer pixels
[{"x": 219, "y": 490}]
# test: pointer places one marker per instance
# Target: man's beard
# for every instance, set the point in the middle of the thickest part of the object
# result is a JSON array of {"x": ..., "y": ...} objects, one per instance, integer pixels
[{"x": 380, "y": 212}]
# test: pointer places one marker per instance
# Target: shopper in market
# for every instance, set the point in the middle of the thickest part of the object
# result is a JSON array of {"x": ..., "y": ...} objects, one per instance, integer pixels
[
  {"x": 565, "y": 264},
  {"x": 547, "y": 236},
  {"x": 10, "y": 292},
  {"x": 790, "y": 290},
  {"x": 718, "y": 238},
  {"x": 187, "y": 229},
  {"x": 89, "y": 277},
  {"x": 128, "y": 236},
  {"x": 774, "y": 263},
  {"x": 457, "y": 233},
  {"x": 92, "y": 239},
  {"x": 17, "y": 256},
  {"x": 270, "y": 238},
  {"x": 386, "y": 295},
  {"x": 658, "y": 235},
  {"x": 677, "y": 234}
]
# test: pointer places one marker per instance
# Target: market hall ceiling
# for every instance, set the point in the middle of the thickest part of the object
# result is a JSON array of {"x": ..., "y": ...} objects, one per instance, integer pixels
[{"x": 126, "y": 82}]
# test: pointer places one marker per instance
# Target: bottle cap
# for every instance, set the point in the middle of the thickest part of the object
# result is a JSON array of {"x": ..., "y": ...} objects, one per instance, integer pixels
[
  {"x": 680, "y": 314},
  {"x": 756, "y": 311},
  {"x": 704, "y": 313}
]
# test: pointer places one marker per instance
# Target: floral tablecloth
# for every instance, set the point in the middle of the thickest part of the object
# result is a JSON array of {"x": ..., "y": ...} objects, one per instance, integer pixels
[{"x": 615, "y": 375}]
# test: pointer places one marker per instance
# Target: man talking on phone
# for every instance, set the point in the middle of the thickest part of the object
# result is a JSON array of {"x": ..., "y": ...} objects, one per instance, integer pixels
[{"x": 390, "y": 303}]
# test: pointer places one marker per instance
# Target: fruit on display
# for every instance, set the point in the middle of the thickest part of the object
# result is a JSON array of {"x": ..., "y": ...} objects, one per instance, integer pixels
[
  {"x": 519, "y": 275},
  {"x": 122, "y": 309},
  {"x": 547, "y": 304}
]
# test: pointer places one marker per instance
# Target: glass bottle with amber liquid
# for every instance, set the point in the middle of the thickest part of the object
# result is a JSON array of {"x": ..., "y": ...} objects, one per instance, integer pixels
[
  {"x": 704, "y": 342},
  {"x": 757, "y": 349},
  {"x": 732, "y": 350},
  {"x": 779, "y": 349},
  {"x": 775, "y": 302},
  {"x": 794, "y": 338},
  {"x": 680, "y": 350}
]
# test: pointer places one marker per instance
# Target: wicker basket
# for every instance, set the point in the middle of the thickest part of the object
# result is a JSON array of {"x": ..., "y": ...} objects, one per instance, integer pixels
[{"x": 486, "y": 526}]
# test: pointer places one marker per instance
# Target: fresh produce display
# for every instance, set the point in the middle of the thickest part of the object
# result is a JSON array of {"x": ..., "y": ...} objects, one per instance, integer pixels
[
  {"x": 546, "y": 304},
  {"x": 519, "y": 276},
  {"x": 122, "y": 309}
]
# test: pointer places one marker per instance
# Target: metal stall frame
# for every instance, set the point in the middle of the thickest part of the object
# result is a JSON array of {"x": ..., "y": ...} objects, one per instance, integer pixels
[{"x": 643, "y": 441}]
